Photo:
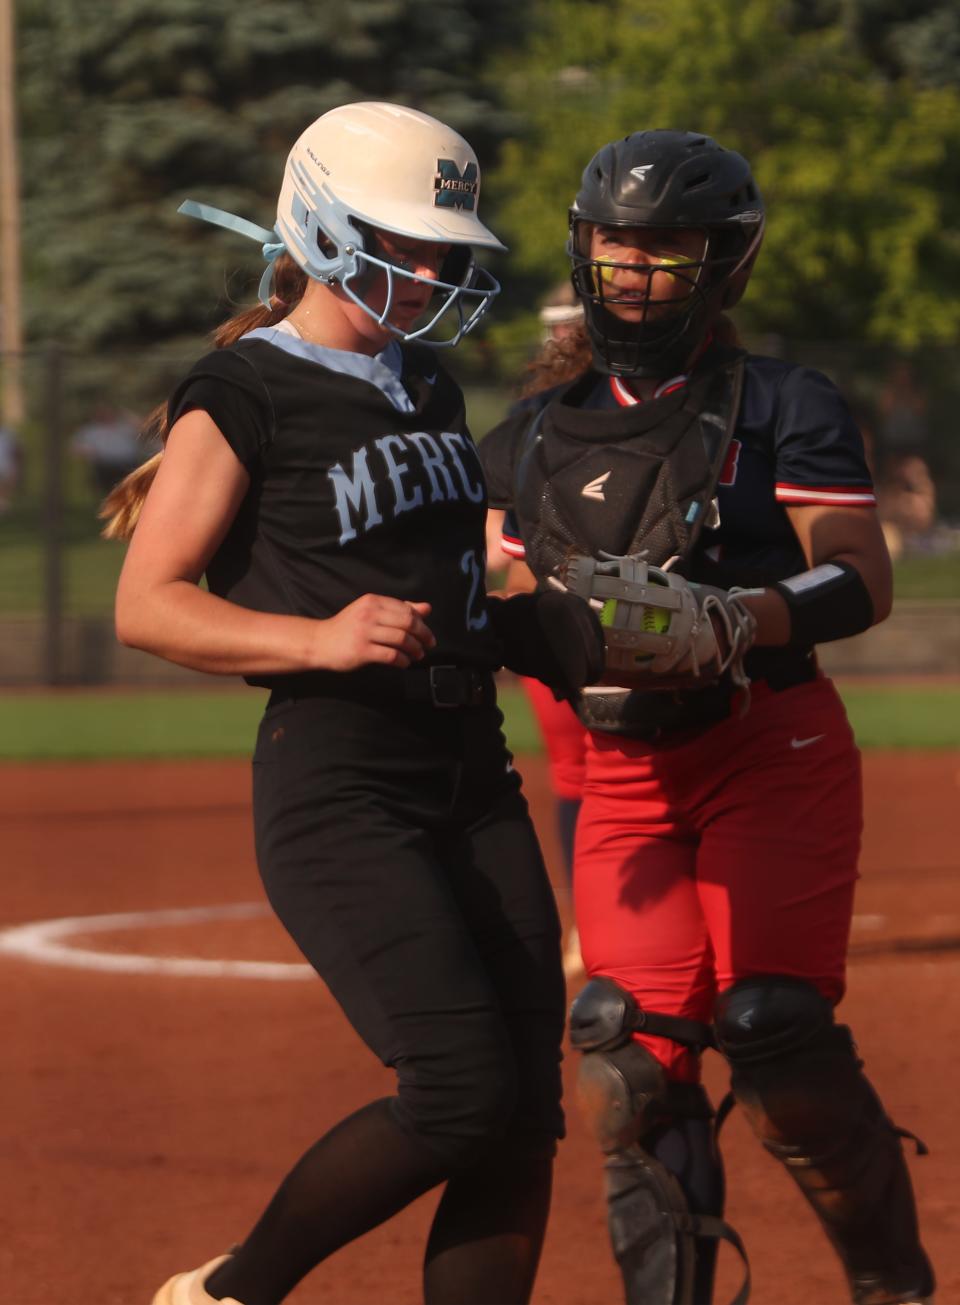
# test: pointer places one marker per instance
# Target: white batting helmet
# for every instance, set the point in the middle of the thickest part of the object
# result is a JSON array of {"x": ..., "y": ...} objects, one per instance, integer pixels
[{"x": 374, "y": 166}]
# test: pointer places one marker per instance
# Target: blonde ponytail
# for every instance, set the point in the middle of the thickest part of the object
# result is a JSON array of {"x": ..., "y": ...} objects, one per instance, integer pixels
[{"x": 122, "y": 506}]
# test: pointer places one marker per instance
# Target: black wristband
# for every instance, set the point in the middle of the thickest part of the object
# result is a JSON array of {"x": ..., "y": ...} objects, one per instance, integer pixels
[{"x": 829, "y": 602}]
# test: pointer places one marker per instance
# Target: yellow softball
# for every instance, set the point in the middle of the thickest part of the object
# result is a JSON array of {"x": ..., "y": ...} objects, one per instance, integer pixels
[{"x": 655, "y": 620}]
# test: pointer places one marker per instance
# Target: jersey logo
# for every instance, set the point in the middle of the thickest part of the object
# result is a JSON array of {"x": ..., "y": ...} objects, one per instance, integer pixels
[
  {"x": 805, "y": 743},
  {"x": 400, "y": 473},
  {"x": 728, "y": 474},
  {"x": 595, "y": 488},
  {"x": 456, "y": 189}
]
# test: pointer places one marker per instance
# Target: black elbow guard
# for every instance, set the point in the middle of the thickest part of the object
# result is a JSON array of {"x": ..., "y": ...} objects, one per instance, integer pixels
[{"x": 829, "y": 602}]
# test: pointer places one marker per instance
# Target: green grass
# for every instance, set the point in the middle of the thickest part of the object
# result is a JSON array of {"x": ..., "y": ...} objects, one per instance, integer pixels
[
  {"x": 85, "y": 725},
  {"x": 91, "y": 567},
  {"x": 486, "y": 407},
  {"x": 90, "y": 571},
  {"x": 932, "y": 577},
  {"x": 900, "y": 717}
]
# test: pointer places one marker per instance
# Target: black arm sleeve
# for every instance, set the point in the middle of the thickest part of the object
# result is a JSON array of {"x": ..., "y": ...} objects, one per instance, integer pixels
[{"x": 551, "y": 635}]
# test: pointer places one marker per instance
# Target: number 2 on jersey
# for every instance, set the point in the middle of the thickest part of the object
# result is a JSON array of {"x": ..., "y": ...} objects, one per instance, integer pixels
[{"x": 476, "y": 604}]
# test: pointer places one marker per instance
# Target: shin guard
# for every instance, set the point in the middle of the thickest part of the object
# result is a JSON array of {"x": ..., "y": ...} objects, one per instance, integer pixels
[
  {"x": 666, "y": 1251},
  {"x": 664, "y": 1180},
  {"x": 797, "y": 1078}
]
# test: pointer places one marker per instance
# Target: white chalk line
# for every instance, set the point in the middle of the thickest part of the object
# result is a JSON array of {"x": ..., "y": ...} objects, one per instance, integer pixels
[{"x": 46, "y": 942}]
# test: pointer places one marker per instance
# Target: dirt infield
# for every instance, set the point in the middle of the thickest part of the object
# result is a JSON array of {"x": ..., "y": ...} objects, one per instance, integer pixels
[{"x": 147, "y": 1115}]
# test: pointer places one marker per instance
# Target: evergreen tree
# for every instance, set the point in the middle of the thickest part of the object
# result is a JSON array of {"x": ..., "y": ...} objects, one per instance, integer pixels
[{"x": 127, "y": 109}]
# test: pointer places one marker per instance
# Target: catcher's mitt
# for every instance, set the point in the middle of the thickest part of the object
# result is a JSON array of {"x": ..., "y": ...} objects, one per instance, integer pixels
[{"x": 660, "y": 631}]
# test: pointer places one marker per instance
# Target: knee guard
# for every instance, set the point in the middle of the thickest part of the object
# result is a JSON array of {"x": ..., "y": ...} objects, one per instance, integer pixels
[
  {"x": 796, "y": 1075},
  {"x": 663, "y": 1237},
  {"x": 623, "y": 1089}
]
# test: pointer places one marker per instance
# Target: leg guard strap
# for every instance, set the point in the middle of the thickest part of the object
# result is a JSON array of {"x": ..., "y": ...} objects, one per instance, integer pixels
[
  {"x": 654, "y": 1235},
  {"x": 604, "y": 1014}
]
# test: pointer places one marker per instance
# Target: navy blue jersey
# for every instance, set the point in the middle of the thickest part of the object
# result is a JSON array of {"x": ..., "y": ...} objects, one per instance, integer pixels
[
  {"x": 363, "y": 479},
  {"x": 795, "y": 443}
]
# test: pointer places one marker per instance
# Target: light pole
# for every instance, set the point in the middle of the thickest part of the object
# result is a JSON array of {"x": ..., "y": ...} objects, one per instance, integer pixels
[{"x": 11, "y": 332}]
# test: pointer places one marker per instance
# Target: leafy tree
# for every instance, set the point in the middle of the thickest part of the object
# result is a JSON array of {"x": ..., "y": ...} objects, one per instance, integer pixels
[
  {"x": 919, "y": 39},
  {"x": 128, "y": 108},
  {"x": 857, "y": 169}
]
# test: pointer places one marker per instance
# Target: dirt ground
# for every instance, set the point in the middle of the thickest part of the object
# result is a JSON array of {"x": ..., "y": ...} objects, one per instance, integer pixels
[{"x": 146, "y": 1117}]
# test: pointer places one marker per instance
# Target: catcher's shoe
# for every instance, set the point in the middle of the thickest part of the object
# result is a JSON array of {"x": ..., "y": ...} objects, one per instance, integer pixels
[{"x": 188, "y": 1289}]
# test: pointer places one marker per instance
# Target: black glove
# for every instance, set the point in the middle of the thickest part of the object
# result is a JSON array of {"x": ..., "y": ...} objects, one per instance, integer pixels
[{"x": 551, "y": 636}]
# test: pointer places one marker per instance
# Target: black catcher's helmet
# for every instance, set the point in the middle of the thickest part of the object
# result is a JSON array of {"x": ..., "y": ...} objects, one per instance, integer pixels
[{"x": 664, "y": 179}]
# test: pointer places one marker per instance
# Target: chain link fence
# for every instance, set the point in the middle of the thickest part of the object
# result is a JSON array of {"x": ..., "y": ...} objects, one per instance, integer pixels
[{"x": 79, "y": 434}]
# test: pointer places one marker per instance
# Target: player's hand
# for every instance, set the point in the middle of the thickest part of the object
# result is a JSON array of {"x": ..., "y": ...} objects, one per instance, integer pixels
[{"x": 374, "y": 630}]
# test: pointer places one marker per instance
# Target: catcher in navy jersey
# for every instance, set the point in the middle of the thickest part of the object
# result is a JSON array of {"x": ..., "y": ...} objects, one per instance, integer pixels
[
  {"x": 318, "y": 468},
  {"x": 717, "y": 842}
]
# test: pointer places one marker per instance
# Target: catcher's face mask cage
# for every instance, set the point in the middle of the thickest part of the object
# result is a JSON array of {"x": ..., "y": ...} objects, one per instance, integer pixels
[{"x": 653, "y": 181}]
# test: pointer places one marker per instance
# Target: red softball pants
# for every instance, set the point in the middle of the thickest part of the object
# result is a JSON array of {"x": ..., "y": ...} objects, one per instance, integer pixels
[
  {"x": 714, "y": 858},
  {"x": 564, "y": 738}
]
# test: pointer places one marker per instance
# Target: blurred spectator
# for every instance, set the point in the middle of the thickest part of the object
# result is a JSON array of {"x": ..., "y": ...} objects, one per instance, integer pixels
[
  {"x": 906, "y": 495},
  {"x": 561, "y": 313},
  {"x": 11, "y": 467},
  {"x": 110, "y": 443},
  {"x": 906, "y": 502},
  {"x": 903, "y": 424}
]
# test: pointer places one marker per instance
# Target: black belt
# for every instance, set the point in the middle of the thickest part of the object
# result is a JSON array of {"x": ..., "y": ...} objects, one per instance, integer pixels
[
  {"x": 435, "y": 686},
  {"x": 448, "y": 686},
  {"x": 655, "y": 717}
]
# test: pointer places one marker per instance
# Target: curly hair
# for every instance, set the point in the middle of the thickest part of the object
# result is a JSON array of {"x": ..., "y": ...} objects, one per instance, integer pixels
[{"x": 564, "y": 360}]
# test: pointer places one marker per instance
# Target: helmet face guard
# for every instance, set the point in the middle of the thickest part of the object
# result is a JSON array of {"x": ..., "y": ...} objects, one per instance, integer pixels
[
  {"x": 370, "y": 167},
  {"x": 365, "y": 168},
  {"x": 462, "y": 302},
  {"x": 334, "y": 244},
  {"x": 656, "y": 181}
]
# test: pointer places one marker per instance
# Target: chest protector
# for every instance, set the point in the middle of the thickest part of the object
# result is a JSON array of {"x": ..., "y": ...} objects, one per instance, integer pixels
[{"x": 640, "y": 481}]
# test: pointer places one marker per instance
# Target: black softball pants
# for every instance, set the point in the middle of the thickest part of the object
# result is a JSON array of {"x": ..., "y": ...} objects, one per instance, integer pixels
[{"x": 396, "y": 848}]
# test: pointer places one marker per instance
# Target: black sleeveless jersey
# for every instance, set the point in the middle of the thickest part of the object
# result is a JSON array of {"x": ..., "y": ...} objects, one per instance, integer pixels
[{"x": 363, "y": 479}]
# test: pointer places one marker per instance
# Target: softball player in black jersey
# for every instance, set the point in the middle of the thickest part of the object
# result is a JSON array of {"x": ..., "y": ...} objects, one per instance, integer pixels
[
  {"x": 717, "y": 841},
  {"x": 319, "y": 470}
]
